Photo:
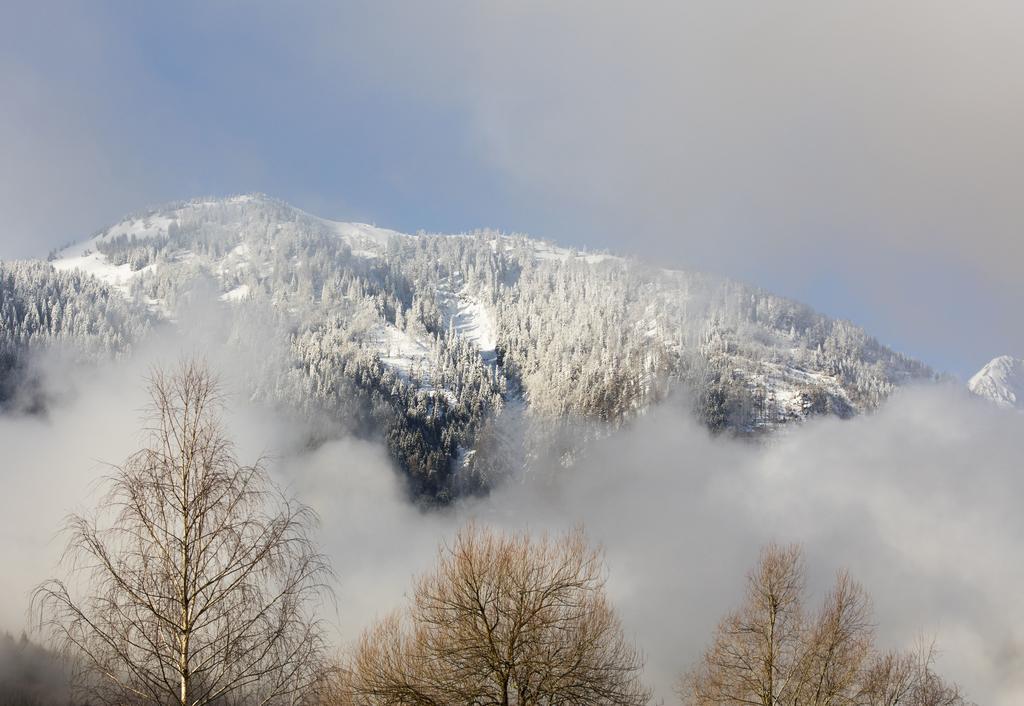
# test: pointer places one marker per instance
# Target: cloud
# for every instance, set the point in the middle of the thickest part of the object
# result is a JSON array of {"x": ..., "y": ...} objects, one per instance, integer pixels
[
  {"x": 918, "y": 500},
  {"x": 915, "y": 500}
]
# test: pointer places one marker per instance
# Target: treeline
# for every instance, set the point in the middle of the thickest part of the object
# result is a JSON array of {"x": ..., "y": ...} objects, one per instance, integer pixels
[
  {"x": 41, "y": 308},
  {"x": 32, "y": 675}
]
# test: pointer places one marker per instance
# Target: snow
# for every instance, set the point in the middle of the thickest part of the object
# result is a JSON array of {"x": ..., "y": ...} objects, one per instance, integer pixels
[
  {"x": 79, "y": 257},
  {"x": 547, "y": 251},
  {"x": 251, "y": 236},
  {"x": 469, "y": 317},
  {"x": 365, "y": 233},
  {"x": 86, "y": 258},
  {"x": 1001, "y": 381},
  {"x": 241, "y": 198},
  {"x": 399, "y": 350},
  {"x": 237, "y": 259},
  {"x": 472, "y": 319},
  {"x": 785, "y": 387},
  {"x": 237, "y": 294},
  {"x": 155, "y": 226},
  {"x": 403, "y": 353}
]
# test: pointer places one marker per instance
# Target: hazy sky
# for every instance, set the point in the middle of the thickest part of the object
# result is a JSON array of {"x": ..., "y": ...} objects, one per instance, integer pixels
[{"x": 865, "y": 157}]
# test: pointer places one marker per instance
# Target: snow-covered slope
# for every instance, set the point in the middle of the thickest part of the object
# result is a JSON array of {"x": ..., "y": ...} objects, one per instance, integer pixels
[
  {"x": 160, "y": 226},
  {"x": 1001, "y": 381},
  {"x": 436, "y": 341}
]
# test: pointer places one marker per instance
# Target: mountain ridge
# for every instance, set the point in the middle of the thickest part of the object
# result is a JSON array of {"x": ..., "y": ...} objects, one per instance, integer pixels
[{"x": 454, "y": 347}]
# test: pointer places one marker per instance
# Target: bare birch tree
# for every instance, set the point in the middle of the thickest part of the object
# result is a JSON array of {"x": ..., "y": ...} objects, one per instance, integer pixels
[
  {"x": 196, "y": 581},
  {"x": 502, "y": 620}
]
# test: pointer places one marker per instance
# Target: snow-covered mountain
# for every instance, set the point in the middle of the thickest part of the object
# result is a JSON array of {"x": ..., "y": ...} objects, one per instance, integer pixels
[
  {"x": 452, "y": 348},
  {"x": 1001, "y": 381}
]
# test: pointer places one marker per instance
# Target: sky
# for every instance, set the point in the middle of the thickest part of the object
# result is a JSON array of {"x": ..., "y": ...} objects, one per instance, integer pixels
[{"x": 865, "y": 158}]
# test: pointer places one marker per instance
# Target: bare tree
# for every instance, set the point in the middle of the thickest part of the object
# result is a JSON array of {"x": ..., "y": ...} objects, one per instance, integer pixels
[
  {"x": 908, "y": 679},
  {"x": 757, "y": 655},
  {"x": 196, "y": 582},
  {"x": 835, "y": 647},
  {"x": 770, "y": 652},
  {"x": 502, "y": 620}
]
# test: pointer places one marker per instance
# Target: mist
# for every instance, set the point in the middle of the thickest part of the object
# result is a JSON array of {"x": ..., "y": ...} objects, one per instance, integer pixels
[{"x": 919, "y": 500}]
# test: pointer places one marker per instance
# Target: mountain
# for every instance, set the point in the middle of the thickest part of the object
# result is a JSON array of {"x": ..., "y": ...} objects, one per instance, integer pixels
[
  {"x": 1001, "y": 381},
  {"x": 469, "y": 355}
]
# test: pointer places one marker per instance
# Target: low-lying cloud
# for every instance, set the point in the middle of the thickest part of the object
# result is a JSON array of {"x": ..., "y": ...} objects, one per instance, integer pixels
[{"x": 919, "y": 501}]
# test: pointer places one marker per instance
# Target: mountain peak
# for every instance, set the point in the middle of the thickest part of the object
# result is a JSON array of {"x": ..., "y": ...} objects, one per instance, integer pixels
[{"x": 1001, "y": 381}]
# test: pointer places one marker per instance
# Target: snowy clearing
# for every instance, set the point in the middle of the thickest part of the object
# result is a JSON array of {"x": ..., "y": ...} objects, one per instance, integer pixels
[
  {"x": 96, "y": 264},
  {"x": 471, "y": 319},
  {"x": 399, "y": 350},
  {"x": 237, "y": 294},
  {"x": 362, "y": 234},
  {"x": 144, "y": 228},
  {"x": 547, "y": 251}
]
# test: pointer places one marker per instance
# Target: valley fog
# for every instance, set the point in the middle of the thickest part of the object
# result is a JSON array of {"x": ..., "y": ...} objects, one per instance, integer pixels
[{"x": 918, "y": 500}]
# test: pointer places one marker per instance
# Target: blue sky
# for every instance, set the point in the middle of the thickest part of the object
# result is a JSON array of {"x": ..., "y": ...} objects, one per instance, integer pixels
[{"x": 864, "y": 158}]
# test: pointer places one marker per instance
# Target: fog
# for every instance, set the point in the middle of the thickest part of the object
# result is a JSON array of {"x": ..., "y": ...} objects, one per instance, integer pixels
[{"x": 920, "y": 501}]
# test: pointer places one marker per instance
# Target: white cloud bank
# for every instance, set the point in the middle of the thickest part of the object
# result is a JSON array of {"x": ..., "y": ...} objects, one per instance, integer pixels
[{"x": 920, "y": 501}]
